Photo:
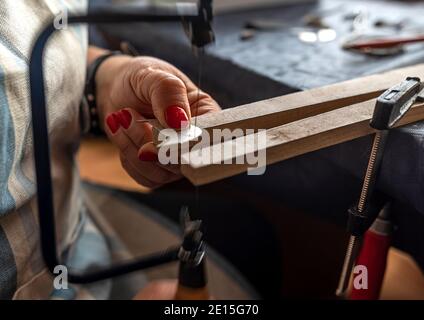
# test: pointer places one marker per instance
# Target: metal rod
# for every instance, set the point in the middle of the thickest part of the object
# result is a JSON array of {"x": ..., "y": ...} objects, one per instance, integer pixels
[{"x": 368, "y": 186}]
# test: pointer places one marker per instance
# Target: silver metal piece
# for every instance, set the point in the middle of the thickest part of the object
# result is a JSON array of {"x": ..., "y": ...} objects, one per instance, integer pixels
[
  {"x": 171, "y": 137},
  {"x": 187, "y": 256}
]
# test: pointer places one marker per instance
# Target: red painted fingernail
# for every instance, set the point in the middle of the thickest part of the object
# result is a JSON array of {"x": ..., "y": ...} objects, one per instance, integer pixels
[
  {"x": 125, "y": 118},
  {"x": 113, "y": 122},
  {"x": 176, "y": 117},
  {"x": 148, "y": 156}
]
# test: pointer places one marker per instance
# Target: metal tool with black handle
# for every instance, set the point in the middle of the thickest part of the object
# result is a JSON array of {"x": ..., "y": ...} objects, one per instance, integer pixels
[
  {"x": 192, "y": 277},
  {"x": 390, "y": 107}
]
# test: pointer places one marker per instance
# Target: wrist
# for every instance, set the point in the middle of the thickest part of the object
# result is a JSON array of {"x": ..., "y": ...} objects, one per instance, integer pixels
[
  {"x": 91, "y": 115},
  {"x": 105, "y": 77}
]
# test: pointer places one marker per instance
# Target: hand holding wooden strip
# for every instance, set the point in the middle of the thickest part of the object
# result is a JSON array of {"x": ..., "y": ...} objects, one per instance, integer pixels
[
  {"x": 292, "y": 107},
  {"x": 298, "y": 123}
]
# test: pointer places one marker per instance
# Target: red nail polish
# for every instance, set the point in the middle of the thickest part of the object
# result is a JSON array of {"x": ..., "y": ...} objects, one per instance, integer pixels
[
  {"x": 176, "y": 117},
  {"x": 112, "y": 122},
  {"x": 148, "y": 156},
  {"x": 125, "y": 118}
]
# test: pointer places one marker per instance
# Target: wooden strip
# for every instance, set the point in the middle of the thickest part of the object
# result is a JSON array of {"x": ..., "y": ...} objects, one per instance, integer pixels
[
  {"x": 292, "y": 107},
  {"x": 292, "y": 139}
]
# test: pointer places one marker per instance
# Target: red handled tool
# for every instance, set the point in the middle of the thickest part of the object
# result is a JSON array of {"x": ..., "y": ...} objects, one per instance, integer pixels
[
  {"x": 373, "y": 256},
  {"x": 382, "y": 43}
]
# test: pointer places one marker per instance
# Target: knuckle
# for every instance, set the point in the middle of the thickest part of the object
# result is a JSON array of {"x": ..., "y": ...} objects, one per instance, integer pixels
[
  {"x": 166, "y": 81},
  {"x": 166, "y": 78},
  {"x": 139, "y": 76}
]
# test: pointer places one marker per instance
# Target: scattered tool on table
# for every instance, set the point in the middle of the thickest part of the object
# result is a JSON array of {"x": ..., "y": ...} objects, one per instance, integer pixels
[
  {"x": 253, "y": 26},
  {"x": 382, "y": 45}
]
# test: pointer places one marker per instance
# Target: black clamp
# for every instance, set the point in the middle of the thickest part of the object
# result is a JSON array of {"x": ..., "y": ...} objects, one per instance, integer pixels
[
  {"x": 395, "y": 102},
  {"x": 390, "y": 107}
]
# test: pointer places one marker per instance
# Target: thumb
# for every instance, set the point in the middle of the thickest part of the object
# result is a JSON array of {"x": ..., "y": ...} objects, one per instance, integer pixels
[{"x": 167, "y": 95}]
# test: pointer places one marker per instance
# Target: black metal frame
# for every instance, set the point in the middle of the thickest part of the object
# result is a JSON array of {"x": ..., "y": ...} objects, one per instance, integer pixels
[{"x": 200, "y": 33}]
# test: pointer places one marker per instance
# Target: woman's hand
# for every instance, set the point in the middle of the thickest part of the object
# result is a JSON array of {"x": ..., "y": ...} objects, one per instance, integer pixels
[{"x": 130, "y": 89}]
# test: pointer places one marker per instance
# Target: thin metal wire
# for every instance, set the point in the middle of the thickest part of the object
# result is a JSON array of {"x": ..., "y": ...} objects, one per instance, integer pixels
[
  {"x": 199, "y": 84},
  {"x": 370, "y": 171}
]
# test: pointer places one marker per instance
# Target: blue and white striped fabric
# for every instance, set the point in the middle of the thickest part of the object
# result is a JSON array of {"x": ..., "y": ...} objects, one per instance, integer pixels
[{"x": 22, "y": 270}]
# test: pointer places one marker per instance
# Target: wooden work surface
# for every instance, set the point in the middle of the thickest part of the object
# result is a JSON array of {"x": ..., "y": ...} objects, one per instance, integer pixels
[{"x": 99, "y": 163}]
